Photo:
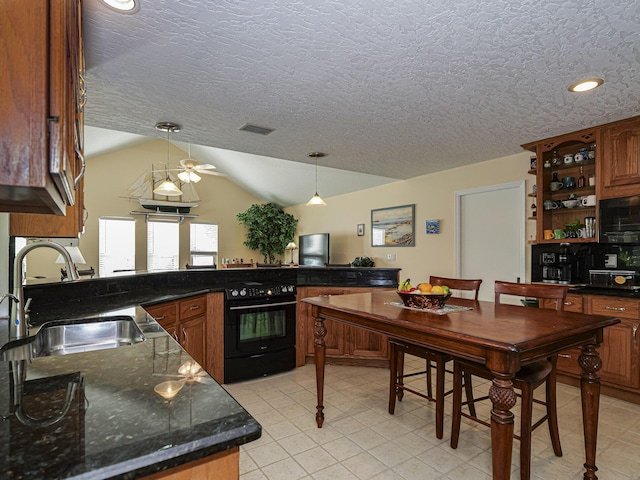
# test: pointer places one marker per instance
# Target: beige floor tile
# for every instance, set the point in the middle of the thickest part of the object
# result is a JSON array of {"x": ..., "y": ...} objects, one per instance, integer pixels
[{"x": 360, "y": 440}]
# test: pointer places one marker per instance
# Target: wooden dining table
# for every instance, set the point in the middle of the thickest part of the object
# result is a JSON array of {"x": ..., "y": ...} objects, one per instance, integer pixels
[{"x": 502, "y": 337}]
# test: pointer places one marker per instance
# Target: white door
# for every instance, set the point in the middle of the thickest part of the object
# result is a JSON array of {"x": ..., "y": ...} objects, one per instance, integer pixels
[{"x": 490, "y": 235}]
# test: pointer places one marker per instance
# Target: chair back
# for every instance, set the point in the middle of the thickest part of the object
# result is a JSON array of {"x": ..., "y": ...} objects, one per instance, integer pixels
[
  {"x": 534, "y": 290},
  {"x": 457, "y": 284}
]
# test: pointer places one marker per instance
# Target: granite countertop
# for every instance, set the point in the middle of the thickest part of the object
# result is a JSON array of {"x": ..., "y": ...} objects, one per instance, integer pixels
[{"x": 116, "y": 426}]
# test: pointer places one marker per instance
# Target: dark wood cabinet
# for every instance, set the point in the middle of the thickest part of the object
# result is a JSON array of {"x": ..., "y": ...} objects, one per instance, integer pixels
[
  {"x": 42, "y": 100},
  {"x": 620, "y": 349},
  {"x": 186, "y": 322},
  {"x": 620, "y": 166},
  {"x": 345, "y": 344}
]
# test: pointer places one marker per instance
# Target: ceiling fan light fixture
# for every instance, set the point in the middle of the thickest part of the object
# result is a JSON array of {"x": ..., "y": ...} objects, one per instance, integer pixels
[
  {"x": 189, "y": 177},
  {"x": 316, "y": 200},
  {"x": 586, "y": 85}
]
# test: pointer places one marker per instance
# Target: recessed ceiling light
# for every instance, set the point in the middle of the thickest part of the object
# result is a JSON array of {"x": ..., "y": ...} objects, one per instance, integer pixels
[
  {"x": 586, "y": 85},
  {"x": 123, "y": 6}
]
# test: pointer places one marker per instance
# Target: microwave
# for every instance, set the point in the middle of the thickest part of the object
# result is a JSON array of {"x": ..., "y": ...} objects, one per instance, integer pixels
[{"x": 619, "y": 220}]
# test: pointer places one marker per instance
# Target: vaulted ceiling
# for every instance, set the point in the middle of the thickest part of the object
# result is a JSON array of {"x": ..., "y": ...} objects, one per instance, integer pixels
[{"x": 388, "y": 90}]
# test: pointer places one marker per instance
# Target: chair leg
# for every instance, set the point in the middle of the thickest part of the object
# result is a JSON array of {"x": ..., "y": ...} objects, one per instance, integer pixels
[
  {"x": 456, "y": 416},
  {"x": 393, "y": 377},
  {"x": 468, "y": 389},
  {"x": 400, "y": 373},
  {"x": 429, "y": 383},
  {"x": 552, "y": 413},
  {"x": 526, "y": 415},
  {"x": 439, "y": 396}
]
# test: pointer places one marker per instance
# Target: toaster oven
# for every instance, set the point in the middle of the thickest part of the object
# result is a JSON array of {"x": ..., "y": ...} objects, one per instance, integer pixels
[{"x": 626, "y": 279}]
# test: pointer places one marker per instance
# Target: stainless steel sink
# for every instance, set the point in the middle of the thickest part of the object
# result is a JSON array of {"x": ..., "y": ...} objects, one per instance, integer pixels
[{"x": 75, "y": 336}]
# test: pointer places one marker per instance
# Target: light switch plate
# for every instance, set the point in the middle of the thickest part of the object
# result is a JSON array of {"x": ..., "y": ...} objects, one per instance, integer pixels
[{"x": 610, "y": 260}]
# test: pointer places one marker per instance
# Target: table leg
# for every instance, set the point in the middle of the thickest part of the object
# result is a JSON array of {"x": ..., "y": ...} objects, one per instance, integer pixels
[
  {"x": 504, "y": 398},
  {"x": 319, "y": 332},
  {"x": 590, "y": 362}
]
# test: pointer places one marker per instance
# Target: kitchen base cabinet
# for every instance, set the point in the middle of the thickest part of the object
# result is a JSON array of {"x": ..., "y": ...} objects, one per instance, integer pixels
[
  {"x": 620, "y": 349},
  {"x": 223, "y": 465},
  {"x": 185, "y": 321},
  {"x": 345, "y": 344}
]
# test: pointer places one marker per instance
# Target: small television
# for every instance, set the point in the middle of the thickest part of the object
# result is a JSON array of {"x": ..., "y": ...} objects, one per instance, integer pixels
[{"x": 314, "y": 249}]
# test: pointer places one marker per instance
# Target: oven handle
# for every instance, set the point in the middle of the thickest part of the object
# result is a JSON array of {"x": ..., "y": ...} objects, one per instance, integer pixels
[{"x": 249, "y": 307}]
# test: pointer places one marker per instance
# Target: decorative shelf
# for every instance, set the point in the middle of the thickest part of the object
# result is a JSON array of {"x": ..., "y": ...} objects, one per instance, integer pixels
[{"x": 180, "y": 216}]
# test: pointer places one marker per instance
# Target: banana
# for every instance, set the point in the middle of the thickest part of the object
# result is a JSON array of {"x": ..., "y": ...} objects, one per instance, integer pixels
[{"x": 405, "y": 286}]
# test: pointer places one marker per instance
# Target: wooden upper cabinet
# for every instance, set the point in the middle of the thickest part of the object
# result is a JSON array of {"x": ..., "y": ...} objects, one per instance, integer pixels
[
  {"x": 42, "y": 89},
  {"x": 620, "y": 165}
]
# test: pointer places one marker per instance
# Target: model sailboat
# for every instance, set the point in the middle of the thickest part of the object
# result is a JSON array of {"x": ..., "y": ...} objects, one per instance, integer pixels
[{"x": 142, "y": 190}]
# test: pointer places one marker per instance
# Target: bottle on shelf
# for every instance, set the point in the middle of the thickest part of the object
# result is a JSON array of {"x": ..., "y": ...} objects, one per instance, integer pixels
[{"x": 582, "y": 181}]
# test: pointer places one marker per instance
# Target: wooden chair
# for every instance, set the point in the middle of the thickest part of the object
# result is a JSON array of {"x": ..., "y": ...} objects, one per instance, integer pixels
[
  {"x": 526, "y": 381},
  {"x": 399, "y": 348}
]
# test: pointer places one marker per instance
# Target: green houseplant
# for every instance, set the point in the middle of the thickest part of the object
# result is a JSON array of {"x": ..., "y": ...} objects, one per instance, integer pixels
[{"x": 269, "y": 229}]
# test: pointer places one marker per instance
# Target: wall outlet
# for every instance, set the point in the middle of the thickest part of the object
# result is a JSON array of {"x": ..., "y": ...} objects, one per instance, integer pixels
[{"x": 391, "y": 257}]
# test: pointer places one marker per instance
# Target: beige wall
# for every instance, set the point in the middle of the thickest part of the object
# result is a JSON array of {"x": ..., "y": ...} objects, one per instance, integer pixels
[
  {"x": 109, "y": 176},
  {"x": 433, "y": 196}
]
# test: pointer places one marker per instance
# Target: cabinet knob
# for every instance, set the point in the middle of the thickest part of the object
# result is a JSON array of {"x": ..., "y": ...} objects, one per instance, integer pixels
[
  {"x": 635, "y": 334},
  {"x": 194, "y": 307},
  {"x": 565, "y": 355},
  {"x": 162, "y": 317}
]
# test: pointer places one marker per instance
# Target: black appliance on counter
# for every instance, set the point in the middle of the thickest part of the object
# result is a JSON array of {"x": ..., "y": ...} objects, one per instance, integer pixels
[
  {"x": 259, "y": 330},
  {"x": 562, "y": 263},
  {"x": 620, "y": 220}
]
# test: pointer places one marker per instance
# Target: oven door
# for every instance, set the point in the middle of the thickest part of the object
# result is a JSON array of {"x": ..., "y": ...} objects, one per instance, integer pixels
[{"x": 259, "y": 326}]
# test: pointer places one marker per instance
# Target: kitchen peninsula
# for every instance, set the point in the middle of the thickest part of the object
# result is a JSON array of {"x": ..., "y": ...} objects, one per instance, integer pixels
[{"x": 116, "y": 425}]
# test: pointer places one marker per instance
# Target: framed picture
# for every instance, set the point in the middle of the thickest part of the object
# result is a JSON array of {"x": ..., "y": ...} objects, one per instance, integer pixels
[
  {"x": 393, "y": 227},
  {"x": 360, "y": 229},
  {"x": 432, "y": 226}
]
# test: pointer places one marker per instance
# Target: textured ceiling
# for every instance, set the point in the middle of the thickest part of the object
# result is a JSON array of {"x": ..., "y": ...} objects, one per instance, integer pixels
[{"x": 391, "y": 89}]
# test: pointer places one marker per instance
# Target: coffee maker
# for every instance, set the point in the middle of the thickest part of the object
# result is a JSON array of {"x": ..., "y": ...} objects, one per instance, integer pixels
[
  {"x": 550, "y": 268},
  {"x": 566, "y": 264}
]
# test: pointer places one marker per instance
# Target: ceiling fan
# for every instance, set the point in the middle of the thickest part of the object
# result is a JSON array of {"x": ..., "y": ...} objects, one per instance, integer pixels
[{"x": 190, "y": 169}]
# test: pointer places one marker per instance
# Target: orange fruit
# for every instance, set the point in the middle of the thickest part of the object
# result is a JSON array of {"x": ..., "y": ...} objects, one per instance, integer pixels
[
  {"x": 437, "y": 290},
  {"x": 424, "y": 287}
]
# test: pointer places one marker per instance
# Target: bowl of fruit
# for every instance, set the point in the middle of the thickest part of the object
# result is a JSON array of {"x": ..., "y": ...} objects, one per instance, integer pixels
[{"x": 424, "y": 295}]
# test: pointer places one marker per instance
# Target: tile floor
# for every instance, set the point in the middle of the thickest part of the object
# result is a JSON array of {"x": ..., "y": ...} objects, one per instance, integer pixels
[{"x": 361, "y": 441}]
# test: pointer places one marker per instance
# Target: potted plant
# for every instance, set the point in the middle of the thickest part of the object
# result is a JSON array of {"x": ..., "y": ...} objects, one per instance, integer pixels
[{"x": 269, "y": 229}]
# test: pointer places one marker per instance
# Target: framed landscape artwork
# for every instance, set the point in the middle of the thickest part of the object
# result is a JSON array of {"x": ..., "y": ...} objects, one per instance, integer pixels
[{"x": 393, "y": 227}]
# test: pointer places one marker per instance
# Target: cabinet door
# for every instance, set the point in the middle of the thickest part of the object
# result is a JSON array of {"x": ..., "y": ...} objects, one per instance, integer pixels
[
  {"x": 166, "y": 314},
  {"x": 365, "y": 343},
  {"x": 193, "y": 338},
  {"x": 619, "y": 350},
  {"x": 619, "y": 353},
  {"x": 620, "y": 165}
]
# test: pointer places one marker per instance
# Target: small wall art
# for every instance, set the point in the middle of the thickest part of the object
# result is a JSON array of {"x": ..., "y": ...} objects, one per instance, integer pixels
[
  {"x": 433, "y": 226},
  {"x": 360, "y": 229},
  {"x": 393, "y": 227}
]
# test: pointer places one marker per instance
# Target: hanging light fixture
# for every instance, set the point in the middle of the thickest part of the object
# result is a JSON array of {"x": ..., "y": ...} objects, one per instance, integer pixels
[
  {"x": 167, "y": 187},
  {"x": 316, "y": 200}
]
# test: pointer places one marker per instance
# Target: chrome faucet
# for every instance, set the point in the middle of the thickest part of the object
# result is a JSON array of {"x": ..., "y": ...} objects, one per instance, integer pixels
[{"x": 18, "y": 324}]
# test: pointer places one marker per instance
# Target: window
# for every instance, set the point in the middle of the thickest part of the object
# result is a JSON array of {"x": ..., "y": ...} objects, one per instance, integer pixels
[
  {"x": 117, "y": 246},
  {"x": 203, "y": 241},
  {"x": 163, "y": 242}
]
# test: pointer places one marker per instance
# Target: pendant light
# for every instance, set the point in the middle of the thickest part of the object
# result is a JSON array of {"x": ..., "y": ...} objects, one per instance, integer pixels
[
  {"x": 167, "y": 187},
  {"x": 316, "y": 200}
]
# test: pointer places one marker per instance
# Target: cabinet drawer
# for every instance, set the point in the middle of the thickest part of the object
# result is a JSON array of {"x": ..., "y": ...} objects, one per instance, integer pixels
[
  {"x": 192, "y": 307},
  {"x": 568, "y": 361},
  {"x": 573, "y": 303},
  {"x": 615, "y": 306},
  {"x": 165, "y": 313}
]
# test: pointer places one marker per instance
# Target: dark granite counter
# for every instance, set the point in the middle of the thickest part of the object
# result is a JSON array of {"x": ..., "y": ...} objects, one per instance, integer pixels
[{"x": 117, "y": 426}]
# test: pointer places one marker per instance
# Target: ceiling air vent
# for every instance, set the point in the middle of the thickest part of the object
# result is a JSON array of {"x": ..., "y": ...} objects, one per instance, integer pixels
[{"x": 256, "y": 129}]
